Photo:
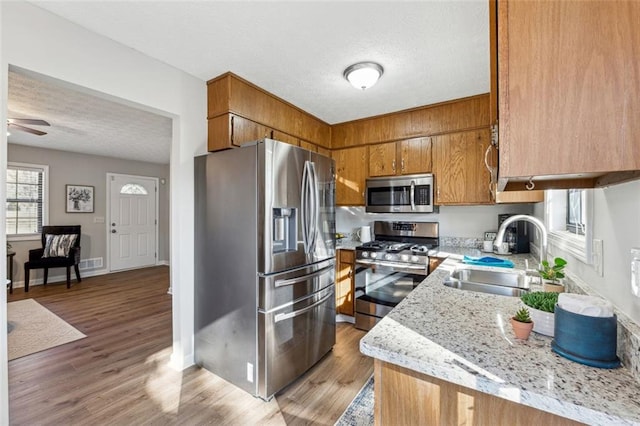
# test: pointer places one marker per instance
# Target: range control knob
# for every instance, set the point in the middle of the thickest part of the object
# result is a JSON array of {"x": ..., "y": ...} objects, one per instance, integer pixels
[
  {"x": 388, "y": 256},
  {"x": 404, "y": 257},
  {"x": 415, "y": 259},
  {"x": 374, "y": 255},
  {"x": 365, "y": 254}
]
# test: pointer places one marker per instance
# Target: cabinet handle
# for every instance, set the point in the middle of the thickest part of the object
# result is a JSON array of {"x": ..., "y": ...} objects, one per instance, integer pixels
[
  {"x": 402, "y": 165},
  {"x": 350, "y": 273},
  {"x": 393, "y": 165}
]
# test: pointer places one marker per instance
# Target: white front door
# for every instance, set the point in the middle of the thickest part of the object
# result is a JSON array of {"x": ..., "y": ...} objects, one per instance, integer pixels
[{"x": 132, "y": 221}]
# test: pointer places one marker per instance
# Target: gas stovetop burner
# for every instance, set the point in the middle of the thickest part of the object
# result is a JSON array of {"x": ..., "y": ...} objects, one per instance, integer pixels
[
  {"x": 397, "y": 247},
  {"x": 419, "y": 249},
  {"x": 375, "y": 245}
]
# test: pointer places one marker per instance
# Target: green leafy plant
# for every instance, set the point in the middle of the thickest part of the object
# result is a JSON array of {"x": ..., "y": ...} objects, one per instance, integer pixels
[
  {"x": 541, "y": 300},
  {"x": 522, "y": 315},
  {"x": 553, "y": 272}
]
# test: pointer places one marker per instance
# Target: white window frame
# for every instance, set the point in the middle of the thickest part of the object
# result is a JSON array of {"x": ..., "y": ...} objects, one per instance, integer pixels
[
  {"x": 45, "y": 200},
  {"x": 555, "y": 210}
]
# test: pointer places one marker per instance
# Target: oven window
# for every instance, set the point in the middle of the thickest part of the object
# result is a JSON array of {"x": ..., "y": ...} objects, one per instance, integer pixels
[
  {"x": 384, "y": 286},
  {"x": 399, "y": 196}
]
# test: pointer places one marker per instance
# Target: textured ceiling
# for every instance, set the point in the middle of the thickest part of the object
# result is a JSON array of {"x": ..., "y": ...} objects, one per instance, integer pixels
[
  {"x": 83, "y": 122},
  {"x": 431, "y": 51}
]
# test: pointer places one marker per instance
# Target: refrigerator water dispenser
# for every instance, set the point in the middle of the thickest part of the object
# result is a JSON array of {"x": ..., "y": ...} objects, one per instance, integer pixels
[{"x": 284, "y": 232}]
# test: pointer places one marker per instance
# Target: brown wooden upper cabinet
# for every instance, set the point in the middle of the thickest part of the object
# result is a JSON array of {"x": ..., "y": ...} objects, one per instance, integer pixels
[
  {"x": 238, "y": 109},
  {"x": 351, "y": 174},
  {"x": 446, "y": 117},
  {"x": 458, "y": 167},
  {"x": 568, "y": 92},
  {"x": 405, "y": 157}
]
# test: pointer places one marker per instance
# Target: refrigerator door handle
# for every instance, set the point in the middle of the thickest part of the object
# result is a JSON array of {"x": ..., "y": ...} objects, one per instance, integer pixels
[
  {"x": 289, "y": 281},
  {"x": 282, "y": 317},
  {"x": 315, "y": 202},
  {"x": 305, "y": 214}
]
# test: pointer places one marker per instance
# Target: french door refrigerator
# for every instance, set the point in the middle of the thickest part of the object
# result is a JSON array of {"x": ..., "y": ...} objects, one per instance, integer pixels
[{"x": 264, "y": 263}]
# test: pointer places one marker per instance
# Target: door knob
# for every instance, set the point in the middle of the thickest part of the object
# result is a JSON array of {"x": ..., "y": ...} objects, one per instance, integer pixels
[
  {"x": 113, "y": 231},
  {"x": 113, "y": 224}
]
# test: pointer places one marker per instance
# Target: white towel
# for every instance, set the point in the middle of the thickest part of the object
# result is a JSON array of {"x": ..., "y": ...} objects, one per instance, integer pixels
[{"x": 585, "y": 305}]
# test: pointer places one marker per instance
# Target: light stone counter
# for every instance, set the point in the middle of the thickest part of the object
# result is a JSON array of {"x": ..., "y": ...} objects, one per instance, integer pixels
[{"x": 465, "y": 338}]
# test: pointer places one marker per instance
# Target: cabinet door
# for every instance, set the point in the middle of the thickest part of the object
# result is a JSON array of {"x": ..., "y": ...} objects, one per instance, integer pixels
[
  {"x": 351, "y": 172},
  {"x": 415, "y": 156},
  {"x": 345, "y": 283},
  {"x": 308, "y": 145},
  {"x": 323, "y": 151},
  {"x": 243, "y": 130},
  {"x": 382, "y": 159},
  {"x": 568, "y": 87},
  {"x": 458, "y": 165},
  {"x": 284, "y": 137}
]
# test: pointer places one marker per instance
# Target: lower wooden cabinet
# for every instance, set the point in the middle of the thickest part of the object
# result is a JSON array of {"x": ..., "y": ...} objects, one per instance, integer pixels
[
  {"x": 351, "y": 174},
  {"x": 458, "y": 166},
  {"x": 406, "y": 397},
  {"x": 345, "y": 282}
]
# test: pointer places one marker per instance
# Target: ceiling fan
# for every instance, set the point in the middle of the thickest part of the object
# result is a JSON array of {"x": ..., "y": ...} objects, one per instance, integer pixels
[{"x": 17, "y": 124}]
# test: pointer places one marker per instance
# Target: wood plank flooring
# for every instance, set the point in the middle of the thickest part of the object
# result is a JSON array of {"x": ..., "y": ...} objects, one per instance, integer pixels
[{"x": 119, "y": 375}]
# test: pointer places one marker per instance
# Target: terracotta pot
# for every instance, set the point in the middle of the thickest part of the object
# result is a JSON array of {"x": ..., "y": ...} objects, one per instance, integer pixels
[{"x": 521, "y": 329}]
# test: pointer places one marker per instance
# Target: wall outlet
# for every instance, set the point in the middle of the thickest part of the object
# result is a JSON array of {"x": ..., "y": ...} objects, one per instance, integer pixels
[
  {"x": 98, "y": 219},
  {"x": 598, "y": 257}
]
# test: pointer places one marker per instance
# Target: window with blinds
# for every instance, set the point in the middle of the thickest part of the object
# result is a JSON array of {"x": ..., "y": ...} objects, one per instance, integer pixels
[{"x": 26, "y": 195}]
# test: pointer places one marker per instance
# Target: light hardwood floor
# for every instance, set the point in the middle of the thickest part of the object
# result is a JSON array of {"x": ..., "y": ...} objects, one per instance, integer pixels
[{"x": 118, "y": 374}]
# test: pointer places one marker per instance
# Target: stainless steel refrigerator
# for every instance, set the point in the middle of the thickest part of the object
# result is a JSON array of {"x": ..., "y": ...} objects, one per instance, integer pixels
[{"x": 264, "y": 263}]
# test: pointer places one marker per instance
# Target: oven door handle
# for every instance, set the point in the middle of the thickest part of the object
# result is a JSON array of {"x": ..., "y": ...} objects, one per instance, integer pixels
[
  {"x": 289, "y": 281},
  {"x": 412, "y": 195},
  {"x": 282, "y": 317},
  {"x": 391, "y": 264}
]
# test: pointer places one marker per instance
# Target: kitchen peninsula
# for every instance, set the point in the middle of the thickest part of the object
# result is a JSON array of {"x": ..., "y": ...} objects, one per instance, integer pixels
[{"x": 446, "y": 356}]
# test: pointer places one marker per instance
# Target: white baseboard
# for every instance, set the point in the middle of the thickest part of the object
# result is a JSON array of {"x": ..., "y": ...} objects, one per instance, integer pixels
[
  {"x": 61, "y": 278},
  {"x": 163, "y": 262},
  {"x": 179, "y": 363}
]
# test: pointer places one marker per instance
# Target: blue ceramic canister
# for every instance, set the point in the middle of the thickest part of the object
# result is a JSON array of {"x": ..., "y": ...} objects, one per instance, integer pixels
[{"x": 587, "y": 340}]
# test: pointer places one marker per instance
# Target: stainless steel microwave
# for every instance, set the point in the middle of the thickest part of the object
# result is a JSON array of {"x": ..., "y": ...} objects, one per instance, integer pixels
[{"x": 400, "y": 194}]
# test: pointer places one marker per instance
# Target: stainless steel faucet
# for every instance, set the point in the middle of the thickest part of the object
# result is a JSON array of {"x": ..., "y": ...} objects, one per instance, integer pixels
[{"x": 537, "y": 222}]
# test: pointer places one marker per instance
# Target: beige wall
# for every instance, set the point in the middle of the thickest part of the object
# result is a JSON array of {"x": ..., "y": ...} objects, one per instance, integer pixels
[{"x": 71, "y": 168}]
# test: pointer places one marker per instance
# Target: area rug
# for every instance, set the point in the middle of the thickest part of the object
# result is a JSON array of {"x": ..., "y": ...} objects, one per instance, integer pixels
[
  {"x": 33, "y": 328},
  {"x": 360, "y": 411}
]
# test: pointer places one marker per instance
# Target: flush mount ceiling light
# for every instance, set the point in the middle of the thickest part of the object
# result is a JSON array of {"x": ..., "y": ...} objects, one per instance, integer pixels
[{"x": 363, "y": 75}]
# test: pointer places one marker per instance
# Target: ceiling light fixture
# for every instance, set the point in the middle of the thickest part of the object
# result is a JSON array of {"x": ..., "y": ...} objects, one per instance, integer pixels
[{"x": 363, "y": 74}]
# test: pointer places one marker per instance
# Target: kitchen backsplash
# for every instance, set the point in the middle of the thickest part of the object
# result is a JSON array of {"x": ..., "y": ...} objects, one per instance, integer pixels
[{"x": 465, "y": 225}]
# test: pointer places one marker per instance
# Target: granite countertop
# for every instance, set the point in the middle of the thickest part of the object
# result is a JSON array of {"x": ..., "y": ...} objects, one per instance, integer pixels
[
  {"x": 465, "y": 338},
  {"x": 347, "y": 244}
]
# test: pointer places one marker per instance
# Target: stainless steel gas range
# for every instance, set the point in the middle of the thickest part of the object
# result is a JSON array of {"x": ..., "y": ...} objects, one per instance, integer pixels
[{"x": 391, "y": 266}]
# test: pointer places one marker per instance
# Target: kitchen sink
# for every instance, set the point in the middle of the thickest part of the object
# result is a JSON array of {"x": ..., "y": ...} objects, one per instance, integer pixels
[{"x": 500, "y": 281}]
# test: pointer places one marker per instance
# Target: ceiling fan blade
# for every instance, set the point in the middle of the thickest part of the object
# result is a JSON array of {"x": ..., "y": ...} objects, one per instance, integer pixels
[
  {"x": 26, "y": 129},
  {"x": 31, "y": 121}
]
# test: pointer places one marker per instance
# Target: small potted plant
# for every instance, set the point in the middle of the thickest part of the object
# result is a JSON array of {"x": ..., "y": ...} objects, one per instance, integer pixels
[
  {"x": 541, "y": 305},
  {"x": 552, "y": 274},
  {"x": 522, "y": 324}
]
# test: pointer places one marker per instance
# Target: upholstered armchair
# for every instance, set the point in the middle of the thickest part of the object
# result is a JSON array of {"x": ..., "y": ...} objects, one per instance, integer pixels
[{"x": 60, "y": 249}]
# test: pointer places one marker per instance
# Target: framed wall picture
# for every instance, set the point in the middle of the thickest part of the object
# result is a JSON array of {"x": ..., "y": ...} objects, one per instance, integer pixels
[{"x": 80, "y": 198}]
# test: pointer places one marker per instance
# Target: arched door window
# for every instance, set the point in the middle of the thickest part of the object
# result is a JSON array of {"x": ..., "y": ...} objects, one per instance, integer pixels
[{"x": 133, "y": 189}]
